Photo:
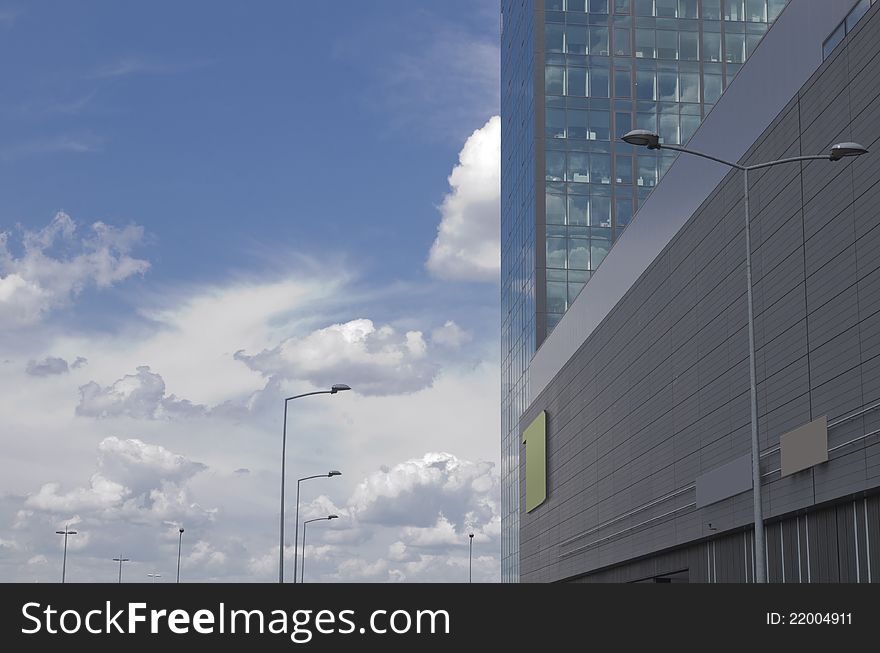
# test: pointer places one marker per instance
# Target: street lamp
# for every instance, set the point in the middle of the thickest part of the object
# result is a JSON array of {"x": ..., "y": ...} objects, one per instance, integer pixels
[
  {"x": 179, "y": 544},
  {"x": 645, "y": 138},
  {"x": 154, "y": 576},
  {"x": 329, "y": 474},
  {"x": 65, "y": 533},
  {"x": 120, "y": 560},
  {"x": 309, "y": 521},
  {"x": 337, "y": 387},
  {"x": 470, "y": 557}
]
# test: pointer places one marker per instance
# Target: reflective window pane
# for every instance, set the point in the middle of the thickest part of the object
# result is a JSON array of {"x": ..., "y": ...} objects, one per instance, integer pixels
[
  {"x": 734, "y": 48},
  {"x": 578, "y": 167},
  {"x": 756, "y": 11},
  {"x": 554, "y": 120},
  {"x": 689, "y": 87},
  {"x": 600, "y": 125},
  {"x": 576, "y": 39},
  {"x": 600, "y": 211},
  {"x": 645, "y": 43},
  {"x": 599, "y": 40},
  {"x": 578, "y": 253},
  {"x": 689, "y": 46},
  {"x": 600, "y": 168},
  {"x": 554, "y": 80},
  {"x": 711, "y": 9},
  {"x": 667, "y": 44},
  {"x": 577, "y": 123},
  {"x": 711, "y": 89},
  {"x": 556, "y": 296},
  {"x": 555, "y": 252},
  {"x": 598, "y": 251},
  {"x": 734, "y": 10},
  {"x": 577, "y": 81},
  {"x": 555, "y": 209},
  {"x": 554, "y": 165},
  {"x": 622, "y": 46},
  {"x": 554, "y": 37},
  {"x": 578, "y": 210},
  {"x": 687, "y": 8},
  {"x": 645, "y": 88},
  {"x": 623, "y": 169},
  {"x": 711, "y": 46},
  {"x": 599, "y": 82},
  {"x": 666, "y": 8},
  {"x": 622, "y": 83}
]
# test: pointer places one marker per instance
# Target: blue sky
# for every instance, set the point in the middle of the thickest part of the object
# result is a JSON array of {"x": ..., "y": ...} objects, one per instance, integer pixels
[{"x": 216, "y": 204}]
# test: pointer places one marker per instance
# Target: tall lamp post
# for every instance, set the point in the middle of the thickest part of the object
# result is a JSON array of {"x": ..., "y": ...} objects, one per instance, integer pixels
[
  {"x": 329, "y": 474},
  {"x": 179, "y": 544},
  {"x": 470, "y": 557},
  {"x": 65, "y": 533},
  {"x": 337, "y": 387},
  {"x": 309, "y": 521},
  {"x": 645, "y": 138},
  {"x": 120, "y": 560}
]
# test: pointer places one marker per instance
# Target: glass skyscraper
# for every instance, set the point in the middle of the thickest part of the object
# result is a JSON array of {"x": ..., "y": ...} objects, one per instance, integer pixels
[{"x": 575, "y": 76}]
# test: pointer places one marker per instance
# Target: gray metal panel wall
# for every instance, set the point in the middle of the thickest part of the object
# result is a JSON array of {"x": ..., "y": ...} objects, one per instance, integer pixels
[{"x": 659, "y": 392}]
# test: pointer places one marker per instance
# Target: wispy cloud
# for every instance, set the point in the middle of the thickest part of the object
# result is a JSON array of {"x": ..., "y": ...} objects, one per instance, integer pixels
[
  {"x": 8, "y": 15},
  {"x": 441, "y": 83},
  {"x": 137, "y": 65},
  {"x": 72, "y": 144}
]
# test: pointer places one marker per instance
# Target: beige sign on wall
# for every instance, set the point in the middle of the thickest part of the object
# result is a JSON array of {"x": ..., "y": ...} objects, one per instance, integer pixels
[{"x": 804, "y": 447}]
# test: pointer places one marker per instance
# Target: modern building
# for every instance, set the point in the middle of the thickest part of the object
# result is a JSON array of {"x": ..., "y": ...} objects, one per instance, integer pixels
[
  {"x": 633, "y": 393},
  {"x": 574, "y": 74}
]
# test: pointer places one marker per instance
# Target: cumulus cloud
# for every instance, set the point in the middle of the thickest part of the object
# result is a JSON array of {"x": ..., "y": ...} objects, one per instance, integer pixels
[
  {"x": 47, "y": 367},
  {"x": 450, "y": 335},
  {"x": 56, "y": 265},
  {"x": 140, "y": 395},
  {"x": 468, "y": 243},
  {"x": 373, "y": 360},
  {"x": 134, "y": 481},
  {"x": 419, "y": 491}
]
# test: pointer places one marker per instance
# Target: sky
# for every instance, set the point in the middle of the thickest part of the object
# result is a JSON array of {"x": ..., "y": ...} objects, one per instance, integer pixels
[{"x": 206, "y": 207}]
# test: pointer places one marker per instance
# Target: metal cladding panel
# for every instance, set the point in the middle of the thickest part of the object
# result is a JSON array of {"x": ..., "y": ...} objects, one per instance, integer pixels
[{"x": 804, "y": 447}]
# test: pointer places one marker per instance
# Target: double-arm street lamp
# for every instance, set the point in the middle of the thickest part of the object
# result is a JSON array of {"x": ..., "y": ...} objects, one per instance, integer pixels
[
  {"x": 309, "y": 521},
  {"x": 120, "y": 560},
  {"x": 65, "y": 533},
  {"x": 338, "y": 387},
  {"x": 645, "y": 138},
  {"x": 329, "y": 474}
]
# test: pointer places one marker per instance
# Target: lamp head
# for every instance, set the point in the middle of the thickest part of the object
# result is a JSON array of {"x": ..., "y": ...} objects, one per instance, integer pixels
[
  {"x": 642, "y": 138},
  {"x": 334, "y": 472},
  {"x": 180, "y": 530},
  {"x": 332, "y": 516},
  {"x": 841, "y": 150},
  {"x": 338, "y": 387},
  {"x": 471, "y": 535}
]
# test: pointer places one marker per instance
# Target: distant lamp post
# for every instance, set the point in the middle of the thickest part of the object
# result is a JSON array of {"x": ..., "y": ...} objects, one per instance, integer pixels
[
  {"x": 179, "y": 544},
  {"x": 329, "y": 474},
  {"x": 120, "y": 560},
  {"x": 154, "y": 576},
  {"x": 65, "y": 533},
  {"x": 645, "y": 138},
  {"x": 309, "y": 521},
  {"x": 337, "y": 387},
  {"x": 470, "y": 557}
]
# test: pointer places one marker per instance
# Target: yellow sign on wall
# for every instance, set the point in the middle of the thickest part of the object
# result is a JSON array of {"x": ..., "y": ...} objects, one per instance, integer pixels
[{"x": 535, "y": 440}]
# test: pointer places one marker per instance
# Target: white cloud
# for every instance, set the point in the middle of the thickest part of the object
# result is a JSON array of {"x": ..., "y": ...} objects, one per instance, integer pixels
[
  {"x": 47, "y": 366},
  {"x": 468, "y": 243},
  {"x": 450, "y": 335},
  {"x": 419, "y": 491},
  {"x": 35, "y": 283},
  {"x": 140, "y": 395},
  {"x": 374, "y": 361},
  {"x": 134, "y": 480}
]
